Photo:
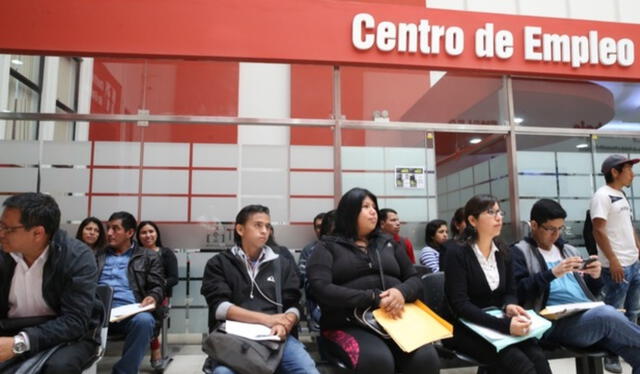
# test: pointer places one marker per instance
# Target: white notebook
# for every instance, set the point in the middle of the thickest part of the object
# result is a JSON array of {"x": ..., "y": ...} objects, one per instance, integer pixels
[{"x": 253, "y": 331}]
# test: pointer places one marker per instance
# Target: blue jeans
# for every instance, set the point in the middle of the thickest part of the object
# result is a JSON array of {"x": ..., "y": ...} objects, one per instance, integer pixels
[
  {"x": 626, "y": 294},
  {"x": 139, "y": 332},
  {"x": 295, "y": 360},
  {"x": 604, "y": 327}
]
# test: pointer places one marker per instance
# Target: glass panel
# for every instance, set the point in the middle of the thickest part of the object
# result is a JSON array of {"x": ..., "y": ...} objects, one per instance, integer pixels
[
  {"x": 215, "y": 88},
  {"x": 468, "y": 165},
  {"x": 377, "y": 94},
  {"x": 557, "y": 168},
  {"x": 399, "y": 168},
  {"x": 21, "y": 99},
  {"x": 28, "y": 66},
  {"x": 576, "y": 104},
  {"x": 68, "y": 81}
]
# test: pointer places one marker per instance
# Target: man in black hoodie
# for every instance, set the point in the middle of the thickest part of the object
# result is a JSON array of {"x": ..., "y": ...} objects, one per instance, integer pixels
[
  {"x": 551, "y": 272},
  {"x": 45, "y": 273},
  {"x": 240, "y": 285}
]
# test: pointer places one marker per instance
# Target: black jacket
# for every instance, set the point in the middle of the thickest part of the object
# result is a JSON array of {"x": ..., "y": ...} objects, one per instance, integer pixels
[
  {"x": 226, "y": 279},
  {"x": 68, "y": 287},
  {"x": 534, "y": 277},
  {"x": 145, "y": 273},
  {"x": 468, "y": 292},
  {"x": 170, "y": 267},
  {"x": 343, "y": 277}
]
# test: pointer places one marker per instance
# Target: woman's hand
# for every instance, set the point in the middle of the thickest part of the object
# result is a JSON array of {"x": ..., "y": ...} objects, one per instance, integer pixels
[
  {"x": 519, "y": 326},
  {"x": 392, "y": 302},
  {"x": 513, "y": 310}
]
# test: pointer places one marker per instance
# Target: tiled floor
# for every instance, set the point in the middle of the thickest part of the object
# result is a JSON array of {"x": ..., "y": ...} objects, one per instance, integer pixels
[{"x": 188, "y": 359}]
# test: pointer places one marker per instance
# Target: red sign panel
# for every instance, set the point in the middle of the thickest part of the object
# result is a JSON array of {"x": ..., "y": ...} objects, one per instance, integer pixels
[{"x": 323, "y": 31}]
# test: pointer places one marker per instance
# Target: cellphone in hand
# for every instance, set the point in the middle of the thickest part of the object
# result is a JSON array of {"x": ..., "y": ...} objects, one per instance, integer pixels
[{"x": 586, "y": 262}]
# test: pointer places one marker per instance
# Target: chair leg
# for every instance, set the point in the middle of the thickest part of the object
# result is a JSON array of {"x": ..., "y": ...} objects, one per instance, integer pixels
[{"x": 164, "y": 347}]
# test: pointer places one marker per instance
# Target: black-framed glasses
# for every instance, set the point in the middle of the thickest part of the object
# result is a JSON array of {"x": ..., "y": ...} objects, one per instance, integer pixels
[
  {"x": 9, "y": 229},
  {"x": 554, "y": 230},
  {"x": 495, "y": 212}
]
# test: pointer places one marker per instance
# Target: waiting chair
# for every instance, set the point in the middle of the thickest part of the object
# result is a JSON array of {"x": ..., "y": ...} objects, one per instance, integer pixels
[
  {"x": 434, "y": 297},
  {"x": 105, "y": 294}
]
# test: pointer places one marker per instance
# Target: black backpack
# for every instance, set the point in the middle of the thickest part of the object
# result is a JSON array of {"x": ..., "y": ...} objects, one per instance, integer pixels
[{"x": 587, "y": 234}]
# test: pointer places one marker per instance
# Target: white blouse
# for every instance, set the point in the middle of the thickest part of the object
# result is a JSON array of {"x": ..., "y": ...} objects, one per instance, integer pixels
[{"x": 489, "y": 265}]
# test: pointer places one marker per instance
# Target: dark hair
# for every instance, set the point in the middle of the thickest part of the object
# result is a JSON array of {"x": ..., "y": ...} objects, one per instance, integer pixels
[
  {"x": 36, "y": 209},
  {"x": 348, "y": 211},
  {"x": 271, "y": 240},
  {"x": 243, "y": 217},
  {"x": 474, "y": 207},
  {"x": 128, "y": 221},
  {"x": 384, "y": 213},
  {"x": 318, "y": 216},
  {"x": 155, "y": 227},
  {"x": 430, "y": 231},
  {"x": 102, "y": 235},
  {"x": 328, "y": 223},
  {"x": 546, "y": 209},
  {"x": 457, "y": 219},
  {"x": 608, "y": 176}
]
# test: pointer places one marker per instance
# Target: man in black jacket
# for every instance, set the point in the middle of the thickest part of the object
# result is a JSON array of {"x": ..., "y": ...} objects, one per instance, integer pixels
[
  {"x": 239, "y": 285},
  {"x": 45, "y": 273},
  {"x": 550, "y": 272},
  {"x": 136, "y": 276}
]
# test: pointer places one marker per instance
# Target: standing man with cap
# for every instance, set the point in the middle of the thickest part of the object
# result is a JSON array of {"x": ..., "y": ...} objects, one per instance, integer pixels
[{"x": 617, "y": 241}]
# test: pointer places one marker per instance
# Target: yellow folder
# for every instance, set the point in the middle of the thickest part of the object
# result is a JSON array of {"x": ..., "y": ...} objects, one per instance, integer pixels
[{"x": 419, "y": 325}]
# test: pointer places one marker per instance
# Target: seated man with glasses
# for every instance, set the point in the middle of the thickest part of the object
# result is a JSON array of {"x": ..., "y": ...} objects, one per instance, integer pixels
[
  {"x": 549, "y": 271},
  {"x": 48, "y": 274}
]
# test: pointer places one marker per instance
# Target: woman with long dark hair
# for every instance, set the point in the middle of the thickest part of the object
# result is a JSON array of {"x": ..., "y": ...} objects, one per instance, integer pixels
[
  {"x": 148, "y": 236},
  {"x": 358, "y": 266},
  {"x": 92, "y": 233},
  {"x": 435, "y": 234},
  {"x": 482, "y": 277}
]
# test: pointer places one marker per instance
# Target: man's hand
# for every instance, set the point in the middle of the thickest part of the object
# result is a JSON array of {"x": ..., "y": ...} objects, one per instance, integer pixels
[
  {"x": 567, "y": 265},
  {"x": 287, "y": 320},
  {"x": 148, "y": 301},
  {"x": 6, "y": 349},
  {"x": 594, "y": 269},
  {"x": 616, "y": 270},
  {"x": 392, "y": 302},
  {"x": 279, "y": 330}
]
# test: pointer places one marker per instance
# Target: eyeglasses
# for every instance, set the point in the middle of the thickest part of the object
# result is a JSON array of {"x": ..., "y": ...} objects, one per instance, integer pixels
[
  {"x": 494, "y": 212},
  {"x": 9, "y": 229},
  {"x": 554, "y": 230}
]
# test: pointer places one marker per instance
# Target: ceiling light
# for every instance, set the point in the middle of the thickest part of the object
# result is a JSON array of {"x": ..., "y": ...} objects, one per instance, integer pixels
[
  {"x": 17, "y": 62},
  {"x": 475, "y": 140},
  {"x": 583, "y": 145},
  {"x": 518, "y": 120}
]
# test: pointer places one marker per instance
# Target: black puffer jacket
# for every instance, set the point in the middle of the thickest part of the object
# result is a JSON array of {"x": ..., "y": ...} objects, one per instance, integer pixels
[
  {"x": 68, "y": 287},
  {"x": 343, "y": 277},
  {"x": 145, "y": 273}
]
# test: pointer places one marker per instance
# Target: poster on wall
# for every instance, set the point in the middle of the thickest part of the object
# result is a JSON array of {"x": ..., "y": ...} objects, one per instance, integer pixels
[{"x": 412, "y": 177}]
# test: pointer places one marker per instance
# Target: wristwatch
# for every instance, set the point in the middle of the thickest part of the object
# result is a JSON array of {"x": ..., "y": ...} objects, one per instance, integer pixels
[{"x": 19, "y": 344}]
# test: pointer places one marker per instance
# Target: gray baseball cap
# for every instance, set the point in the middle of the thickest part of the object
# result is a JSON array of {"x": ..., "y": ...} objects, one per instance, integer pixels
[{"x": 615, "y": 160}]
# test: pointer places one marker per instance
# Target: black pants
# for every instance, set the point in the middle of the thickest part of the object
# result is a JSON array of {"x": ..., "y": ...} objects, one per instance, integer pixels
[
  {"x": 523, "y": 358},
  {"x": 369, "y": 353},
  {"x": 69, "y": 359}
]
